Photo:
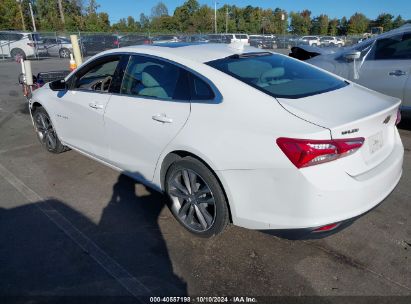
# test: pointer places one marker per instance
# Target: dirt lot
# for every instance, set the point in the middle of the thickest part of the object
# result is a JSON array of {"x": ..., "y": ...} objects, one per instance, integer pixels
[{"x": 70, "y": 226}]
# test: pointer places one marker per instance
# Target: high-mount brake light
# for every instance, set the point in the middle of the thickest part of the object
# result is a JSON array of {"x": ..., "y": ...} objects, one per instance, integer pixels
[{"x": 310, "y": 152}]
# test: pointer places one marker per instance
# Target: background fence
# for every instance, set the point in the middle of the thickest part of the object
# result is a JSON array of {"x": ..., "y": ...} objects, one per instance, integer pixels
[{"x": 57, "y": 44}]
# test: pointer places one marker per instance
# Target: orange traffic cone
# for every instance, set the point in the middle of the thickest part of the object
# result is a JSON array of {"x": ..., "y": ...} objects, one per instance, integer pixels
[{"x": 73, "y": 64}]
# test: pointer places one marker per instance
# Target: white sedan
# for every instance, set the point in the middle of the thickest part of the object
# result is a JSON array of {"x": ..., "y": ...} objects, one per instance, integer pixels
[{"x": 230, "y": 134}]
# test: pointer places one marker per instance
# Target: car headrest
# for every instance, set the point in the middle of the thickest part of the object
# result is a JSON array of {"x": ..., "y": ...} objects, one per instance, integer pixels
[
  {"x": 152, "y": 76},
  {"x": 274, "y": 73}
]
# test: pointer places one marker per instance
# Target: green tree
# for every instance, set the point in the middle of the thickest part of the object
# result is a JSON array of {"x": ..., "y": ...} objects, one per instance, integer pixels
[
  {"x": 144, "y": 21},
  {"x": 120, "y": 26},
  {"x": 319, "y": 25},
  {"x": 202, "y": 20},
  {"x": 343, "y": 26},
  {"x": 48, "y": 16},
  {"x": 358, "y": 24},
  {"x": 10, "y": 17},
  {"x": 159, "y": 10},
  {"x": 184, "y": 15},
  {"x": 279, "y": 26},
  {"x": 384, "y": 20},
  {"x": 398, "y": 21},
  {"x": 333, "y": 27},
  {"x": 133, "y": 25},
  {"x": 300, "y": 22},
  {"x": 164, "y": 24}
]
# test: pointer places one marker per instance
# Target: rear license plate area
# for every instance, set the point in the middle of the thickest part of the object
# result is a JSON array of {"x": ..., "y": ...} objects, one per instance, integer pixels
[{"x": 375, "y": 142}]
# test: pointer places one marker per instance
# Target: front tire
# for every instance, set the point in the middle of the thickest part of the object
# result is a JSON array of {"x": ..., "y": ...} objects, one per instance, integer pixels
[
  {"x": 64, "y": 53},
  {"x": 46, "y": 132},
  {"x": 197, "y": 200}
]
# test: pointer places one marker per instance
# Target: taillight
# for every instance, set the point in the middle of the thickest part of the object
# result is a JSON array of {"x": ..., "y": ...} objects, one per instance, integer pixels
[
  {"x": 146, "y": 41},
  {"x": 307, "y": 152},
  {"x": 398, "y": 120},
  {"x": 326, "y": 228}
]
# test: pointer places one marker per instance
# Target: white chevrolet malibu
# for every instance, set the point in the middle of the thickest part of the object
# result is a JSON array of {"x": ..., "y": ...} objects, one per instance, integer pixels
[{"x": 230, "y": 134}]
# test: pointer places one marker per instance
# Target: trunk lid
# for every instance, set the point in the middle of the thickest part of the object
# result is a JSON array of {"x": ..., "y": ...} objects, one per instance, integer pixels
[{"x": 350, "y": 112}]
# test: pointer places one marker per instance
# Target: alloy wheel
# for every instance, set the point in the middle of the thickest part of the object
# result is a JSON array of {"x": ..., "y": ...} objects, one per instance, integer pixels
[
  {"x": 64, "y": 53},
  {"x": 192, "y": 200},
  {"x": 45, "y": 131}
]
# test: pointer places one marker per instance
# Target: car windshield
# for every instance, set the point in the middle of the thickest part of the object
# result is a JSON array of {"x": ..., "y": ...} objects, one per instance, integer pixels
[{"x": 277, "y": 75}]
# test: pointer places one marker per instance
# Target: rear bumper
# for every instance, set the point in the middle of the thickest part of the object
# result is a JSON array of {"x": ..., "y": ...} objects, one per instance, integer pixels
[
  {"x": 311, "y": 233},
  {"x": 287, "y": 198}
]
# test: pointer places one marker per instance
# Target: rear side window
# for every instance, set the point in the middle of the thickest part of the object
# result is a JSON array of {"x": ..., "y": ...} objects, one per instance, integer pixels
[
  {"x": 277, "y": 75},
  {"x": 241, "y": 36},
  {"x": 199, "y": 89},
  {"x": 151, "y": 77},
  {"x": 15, "y": 37}
]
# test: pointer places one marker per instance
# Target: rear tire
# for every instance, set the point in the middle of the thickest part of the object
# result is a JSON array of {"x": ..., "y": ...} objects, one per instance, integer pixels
[
  {"x": 14, "y": 53},
  {"x": 197, "y": 200},
  {"x": 46, "y": 134}
]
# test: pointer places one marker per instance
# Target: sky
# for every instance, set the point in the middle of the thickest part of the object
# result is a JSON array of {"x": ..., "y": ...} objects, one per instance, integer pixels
[{"x": 333, "y": 8}]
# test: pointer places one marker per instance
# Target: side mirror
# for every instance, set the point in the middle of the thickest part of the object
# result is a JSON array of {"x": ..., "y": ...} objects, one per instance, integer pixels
[
  {"x": 353, "y": 55},
  {"x": 58, "y": 85}
]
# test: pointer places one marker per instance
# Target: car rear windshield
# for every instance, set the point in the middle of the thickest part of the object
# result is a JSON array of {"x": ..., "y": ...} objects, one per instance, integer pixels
[{"x": 278, "y": 76}]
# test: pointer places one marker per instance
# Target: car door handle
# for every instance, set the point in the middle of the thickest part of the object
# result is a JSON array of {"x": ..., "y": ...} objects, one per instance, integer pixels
[
  {"x": 162, "y": 118},
  {"x": 95, "y": 106},
  {"x": 397, "y": 73}
]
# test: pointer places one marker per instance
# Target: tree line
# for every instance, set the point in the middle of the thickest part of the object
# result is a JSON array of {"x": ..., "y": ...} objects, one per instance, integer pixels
[{"x": 190, "y": 17}]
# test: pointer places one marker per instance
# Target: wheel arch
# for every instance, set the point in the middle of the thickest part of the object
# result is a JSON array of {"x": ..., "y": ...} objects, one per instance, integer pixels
[
  {"x": 176, "y": 155},
  {"x": 18, "y": 49},
  {"x": 35, "y": 105}
]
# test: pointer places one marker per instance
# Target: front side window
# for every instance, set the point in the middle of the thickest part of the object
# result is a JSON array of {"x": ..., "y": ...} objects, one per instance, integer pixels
[
  {"x": 277, "y": 75},
  {"x": 394, "y": 47},
  {"x": 151, "y": 77},
  {"x": 97, "y": 76}
]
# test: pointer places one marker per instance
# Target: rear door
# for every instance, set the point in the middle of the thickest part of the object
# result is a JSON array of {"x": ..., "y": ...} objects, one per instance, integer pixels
[
  {"x": 152, "y": 107},
  {"x": 388, "y": 66}
]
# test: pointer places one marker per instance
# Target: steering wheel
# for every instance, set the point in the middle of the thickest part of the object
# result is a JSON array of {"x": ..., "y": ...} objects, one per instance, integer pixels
[{"x": 105, "y": 84}]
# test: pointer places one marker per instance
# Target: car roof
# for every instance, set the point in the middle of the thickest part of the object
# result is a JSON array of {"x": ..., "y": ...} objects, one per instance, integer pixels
[{"x": 199, "y": 52}]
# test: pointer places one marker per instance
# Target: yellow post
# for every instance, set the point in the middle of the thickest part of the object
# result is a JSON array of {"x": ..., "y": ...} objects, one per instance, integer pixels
[{"x": 76, "y": 50}]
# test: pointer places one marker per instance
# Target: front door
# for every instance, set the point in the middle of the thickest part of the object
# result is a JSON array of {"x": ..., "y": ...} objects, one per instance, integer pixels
[
  {"x": 388, "y": 66},
  {"x": 80, "y": 110}
]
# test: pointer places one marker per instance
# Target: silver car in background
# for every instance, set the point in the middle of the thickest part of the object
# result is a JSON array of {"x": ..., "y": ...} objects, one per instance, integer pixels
[
  {"x": 58, "y": 46},
  {"x": 381, "y": 63}
]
